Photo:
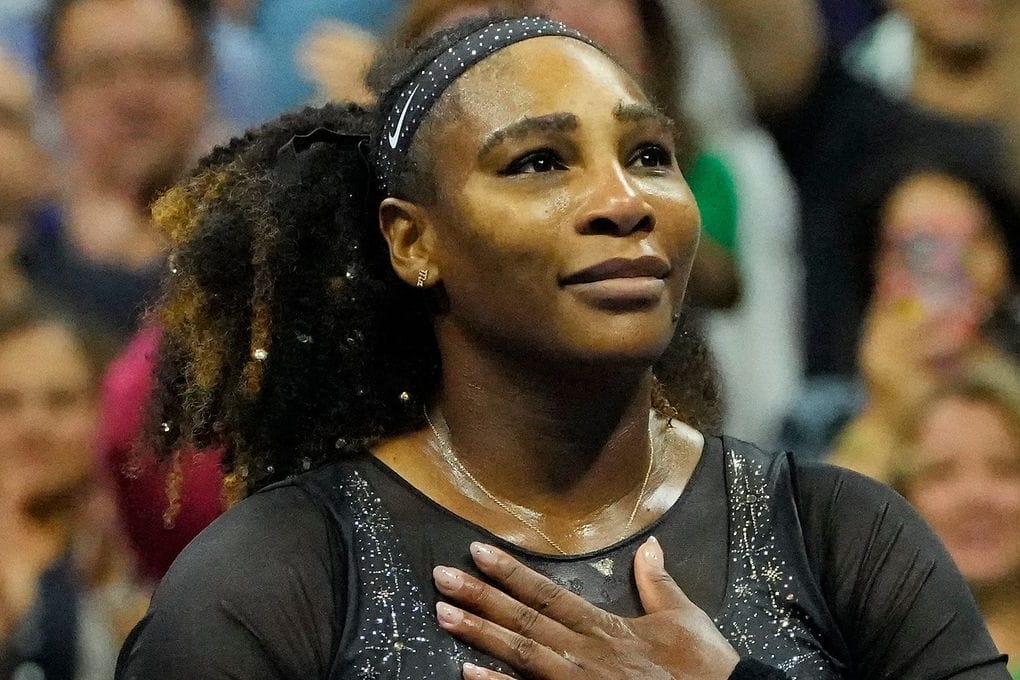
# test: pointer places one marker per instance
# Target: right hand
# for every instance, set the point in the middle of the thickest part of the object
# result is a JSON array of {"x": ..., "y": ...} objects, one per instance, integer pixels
[
  {"x": 894, "y": 358},
  {"x": 549, "y": 633}
]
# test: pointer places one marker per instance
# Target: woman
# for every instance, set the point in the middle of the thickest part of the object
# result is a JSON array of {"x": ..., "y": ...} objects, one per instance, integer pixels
[
  {"x": 942, "y": 277},
  {"x": 66, "y": 598},
  {"x": 483, "y": 369},
  {"x": 962, "y": 472}
]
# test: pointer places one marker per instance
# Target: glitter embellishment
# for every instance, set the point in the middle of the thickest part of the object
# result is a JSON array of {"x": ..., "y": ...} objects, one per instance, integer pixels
[
  {"x": 396, "y": 636},
  {"x": 761, "y": 616},
  {"x": 604, "y": 567}
]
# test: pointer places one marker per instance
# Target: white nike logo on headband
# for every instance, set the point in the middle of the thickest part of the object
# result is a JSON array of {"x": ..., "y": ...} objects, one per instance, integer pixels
[{"x": 394, "y": 138}]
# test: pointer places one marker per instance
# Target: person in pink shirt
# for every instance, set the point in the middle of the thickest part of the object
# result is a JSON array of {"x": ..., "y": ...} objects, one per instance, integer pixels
[{"x": 162, "y": 508}]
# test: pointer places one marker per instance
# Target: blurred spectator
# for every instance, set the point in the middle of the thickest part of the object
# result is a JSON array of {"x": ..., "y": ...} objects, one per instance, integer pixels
[
  {"x": 757, "y": 342},
  {"x": 835, "y": 133},
  {"x": 240, "y": 79},
  {"x": 942, "y": 54},
  {"x": 271, "y": 54},
  {"x": 845, "y": 19},
  {"x": 961, "y": 470},
  {"x": 942, "y": 272},
  {"x": 285, "y": 28},
  {"x": 129, "y": 79},
  {"x": 161, "y": 508},
  {"x": 66, "y": 594},
  {"x": 24, "y": 178},
  {"x": 337, "y": 56}
]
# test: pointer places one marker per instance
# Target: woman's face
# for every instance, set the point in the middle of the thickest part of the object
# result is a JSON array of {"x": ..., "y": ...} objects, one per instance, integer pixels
[
  {"x": 564, "y": 228},
  {"x": 967, "y": 485},
  {"x": 960, "y": 26},
  {"x": 939, "y": 259},
  {"x": 47, "y": 411}
]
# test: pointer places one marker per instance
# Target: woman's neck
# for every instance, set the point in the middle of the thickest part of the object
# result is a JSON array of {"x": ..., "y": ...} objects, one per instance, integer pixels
[{"x": 548, "y": 439}]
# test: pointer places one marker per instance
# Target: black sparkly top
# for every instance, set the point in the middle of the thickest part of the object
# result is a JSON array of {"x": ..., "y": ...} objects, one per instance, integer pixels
[{"x": 810, "y": 569}]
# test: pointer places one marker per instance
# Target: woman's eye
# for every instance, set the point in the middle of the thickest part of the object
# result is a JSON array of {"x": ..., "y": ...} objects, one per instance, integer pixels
[
  {"x": 652, "y": 156},
  {"x": 543, "y": 160}
]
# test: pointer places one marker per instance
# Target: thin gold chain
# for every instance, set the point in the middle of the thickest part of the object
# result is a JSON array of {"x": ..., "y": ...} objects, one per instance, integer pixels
[{"x": 446, "y": 448}]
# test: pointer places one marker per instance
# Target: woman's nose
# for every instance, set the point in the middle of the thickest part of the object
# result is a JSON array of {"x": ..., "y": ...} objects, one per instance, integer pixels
[{"x": 617, "y": 206}]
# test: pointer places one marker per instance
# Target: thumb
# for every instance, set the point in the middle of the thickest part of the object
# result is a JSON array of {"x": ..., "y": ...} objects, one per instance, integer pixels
[{"x": 657, "y": 589}]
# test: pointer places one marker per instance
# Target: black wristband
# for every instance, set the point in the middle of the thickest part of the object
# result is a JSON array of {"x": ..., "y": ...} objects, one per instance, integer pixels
[{"x": 749, "y": 669}]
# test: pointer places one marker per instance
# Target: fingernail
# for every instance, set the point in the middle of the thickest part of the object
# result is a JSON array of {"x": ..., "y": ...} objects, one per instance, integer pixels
[
  {"x": 447, "y": 579},
  {"x": 653, "y": 552},
  {"x": 485, "y": 555},
  {"x": 474, "y": 672},
  {"x": 449, "y": 616}
]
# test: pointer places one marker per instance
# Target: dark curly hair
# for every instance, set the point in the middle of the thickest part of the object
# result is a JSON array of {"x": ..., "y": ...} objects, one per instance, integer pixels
[{"x": 289, "y": 340}]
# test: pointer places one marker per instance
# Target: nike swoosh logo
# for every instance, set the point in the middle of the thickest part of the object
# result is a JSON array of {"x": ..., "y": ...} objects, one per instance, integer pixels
[{"x": 395, "y": 137}]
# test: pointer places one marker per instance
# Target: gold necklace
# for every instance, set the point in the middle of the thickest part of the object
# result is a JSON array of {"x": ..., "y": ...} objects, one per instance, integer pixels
[{"x": 446, "y": 449}]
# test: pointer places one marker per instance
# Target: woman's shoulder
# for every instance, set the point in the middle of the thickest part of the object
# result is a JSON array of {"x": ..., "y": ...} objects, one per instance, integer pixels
[
  {"x": 811, "y": 478},
  {"x": 884, "y": 576},
  {"x": 277, "y": 520},
  {"x": 258, "y": 588},
  {"x": 831, "y": 502}
]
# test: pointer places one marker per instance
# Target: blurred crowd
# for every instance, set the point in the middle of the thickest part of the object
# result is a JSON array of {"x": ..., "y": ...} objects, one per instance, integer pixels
[{"x": 855, "y": 163}]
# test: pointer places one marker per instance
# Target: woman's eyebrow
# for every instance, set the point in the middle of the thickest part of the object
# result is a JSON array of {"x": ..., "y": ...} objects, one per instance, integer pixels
[
  {"x": 642, "y": 113},
  {"x": 527, "y": 126}
]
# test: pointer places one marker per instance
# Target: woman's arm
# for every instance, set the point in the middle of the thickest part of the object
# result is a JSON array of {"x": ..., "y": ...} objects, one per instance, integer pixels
[{"x": 901, "y": 606}]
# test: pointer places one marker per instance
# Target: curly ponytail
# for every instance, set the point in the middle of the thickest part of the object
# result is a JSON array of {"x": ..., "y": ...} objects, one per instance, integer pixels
[{"x": 287, "y": 337}]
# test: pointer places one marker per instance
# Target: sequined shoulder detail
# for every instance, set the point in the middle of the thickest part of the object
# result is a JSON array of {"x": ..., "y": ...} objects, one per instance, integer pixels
[
  {"x": 761, "y": 614},
  {"x": 391, "y": 631}
]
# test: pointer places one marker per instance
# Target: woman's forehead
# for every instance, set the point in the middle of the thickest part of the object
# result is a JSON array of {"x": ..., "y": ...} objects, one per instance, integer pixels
[{"x": 540, "y": 76}]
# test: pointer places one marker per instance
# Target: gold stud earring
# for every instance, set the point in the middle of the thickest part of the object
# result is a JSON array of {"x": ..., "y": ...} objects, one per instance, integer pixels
[{"x": 423, "y": 277}]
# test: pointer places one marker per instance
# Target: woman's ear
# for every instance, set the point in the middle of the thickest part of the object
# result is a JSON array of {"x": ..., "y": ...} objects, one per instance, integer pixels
[{"x": 410, "y": 237}]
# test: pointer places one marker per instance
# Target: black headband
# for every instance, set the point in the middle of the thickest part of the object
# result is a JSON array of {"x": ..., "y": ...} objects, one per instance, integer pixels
[{"x": 421, "y": 93}]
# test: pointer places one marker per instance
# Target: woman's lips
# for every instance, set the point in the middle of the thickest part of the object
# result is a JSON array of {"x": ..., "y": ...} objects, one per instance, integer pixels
[
  {"x": 646, "y": 266},
  {"x": 619, "y": 293},
  {"x": 621, "y": 283}
]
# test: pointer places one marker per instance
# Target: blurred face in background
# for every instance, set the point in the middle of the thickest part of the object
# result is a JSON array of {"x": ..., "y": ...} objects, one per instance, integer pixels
[
  {"x": 941, "y": 262},
  {"x": 23, "y": 172},
  {"x": 131, "y": 90},
  {"x": 614, "y": 24},
  {"x": 48, "y": 411},
  {"x": 963, "y": 27},
  {"x": 966, "y": 483}
]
